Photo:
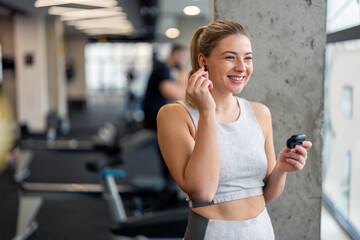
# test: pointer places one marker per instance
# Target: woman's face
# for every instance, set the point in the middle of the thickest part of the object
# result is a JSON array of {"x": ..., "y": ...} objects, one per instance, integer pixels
[{"x": 230, "y": 64}]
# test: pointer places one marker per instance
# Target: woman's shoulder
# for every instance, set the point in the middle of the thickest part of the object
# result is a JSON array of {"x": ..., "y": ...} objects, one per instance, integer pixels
[
  {"x": 175, "y": 115},
  {"x": 172, "y": 108},
  {"x": 173, "y": 111},
  {"x": 258, "y": 108},
  {"x": 261, "y": 112}
]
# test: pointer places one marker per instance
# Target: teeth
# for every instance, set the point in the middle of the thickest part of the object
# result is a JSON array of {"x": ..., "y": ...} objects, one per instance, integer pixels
[{"x": 237, "y": 78}]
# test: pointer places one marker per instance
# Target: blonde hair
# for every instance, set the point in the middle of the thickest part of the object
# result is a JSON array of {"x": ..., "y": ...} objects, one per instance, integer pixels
[{"x": 207, "y": 37}]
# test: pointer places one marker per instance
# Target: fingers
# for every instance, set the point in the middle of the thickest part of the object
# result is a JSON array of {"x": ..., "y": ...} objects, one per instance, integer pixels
[
  {"x": 211, "y": 85},
  {"x": 199, "y": 73},
  {"x": 296, "y": 164},
  {"x": 307, "y": 145},
  {"x": 199, "y": 80},
  {"x": 301, "y": 150},
  {"x": 297, "y": 156}
]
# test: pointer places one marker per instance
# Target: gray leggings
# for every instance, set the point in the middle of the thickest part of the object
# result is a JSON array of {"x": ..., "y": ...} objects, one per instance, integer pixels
[{"x": 258, "y": 228}]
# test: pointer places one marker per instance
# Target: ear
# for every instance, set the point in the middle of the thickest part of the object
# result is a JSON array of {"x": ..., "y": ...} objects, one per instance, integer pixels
[{"x": 201, "y": 60}]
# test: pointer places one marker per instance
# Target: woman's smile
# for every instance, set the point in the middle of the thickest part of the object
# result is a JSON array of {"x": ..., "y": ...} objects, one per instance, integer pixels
[{"x": 237, "y": 79}]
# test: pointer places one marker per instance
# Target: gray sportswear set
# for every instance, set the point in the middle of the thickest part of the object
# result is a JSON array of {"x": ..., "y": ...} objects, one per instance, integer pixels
[{"x": 243, "y": 167}]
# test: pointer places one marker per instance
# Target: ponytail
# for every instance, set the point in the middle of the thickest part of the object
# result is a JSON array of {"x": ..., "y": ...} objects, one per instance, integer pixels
[{"x": 194, "y": 50}]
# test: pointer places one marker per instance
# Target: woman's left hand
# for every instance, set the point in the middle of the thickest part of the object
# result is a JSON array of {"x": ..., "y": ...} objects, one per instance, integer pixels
[{"x": 291, "y": 160}]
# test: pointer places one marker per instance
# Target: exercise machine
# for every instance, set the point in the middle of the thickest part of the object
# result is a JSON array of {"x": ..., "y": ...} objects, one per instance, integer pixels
[
  {"x": 105, "y": 140},
  {"x": 131, "y": 203},
  {"x": 167, "y": 223}
]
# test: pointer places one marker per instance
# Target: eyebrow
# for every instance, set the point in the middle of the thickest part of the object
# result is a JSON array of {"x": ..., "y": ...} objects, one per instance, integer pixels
[{"x": 235, "y": 53}]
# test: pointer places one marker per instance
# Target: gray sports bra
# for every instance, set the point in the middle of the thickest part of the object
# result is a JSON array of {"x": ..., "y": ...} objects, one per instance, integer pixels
[{"x": 243, "y": 162}]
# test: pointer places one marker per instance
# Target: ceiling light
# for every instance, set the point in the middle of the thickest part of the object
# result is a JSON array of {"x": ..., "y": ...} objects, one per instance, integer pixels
[
  {"x": 67, "y": 13},
  {"x": 108, "y": 25},
  {"x": 124, "y": 26},
  {"x": 94, "y": 3},
  {"x": 192, "y": 10},
  {"x": 87, "y": 16},
  {"x": 103, "y": 31},
  {"x": 117, "y": 19},
  {"x": 84, "y": 15},
  {"x": 172, "y": 33},
  {"x": 75, "y": 11}
]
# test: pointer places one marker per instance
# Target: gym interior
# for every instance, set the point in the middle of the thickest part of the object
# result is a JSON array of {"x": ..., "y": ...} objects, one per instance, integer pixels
[{"x": 81, "y": 164}]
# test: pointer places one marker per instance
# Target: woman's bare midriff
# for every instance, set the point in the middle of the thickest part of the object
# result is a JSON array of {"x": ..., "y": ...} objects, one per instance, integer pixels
[{"x": 237, "y": 210}]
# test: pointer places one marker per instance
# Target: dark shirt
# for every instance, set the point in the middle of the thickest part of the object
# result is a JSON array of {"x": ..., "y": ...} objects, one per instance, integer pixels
[{"x": 154, "y": 100}]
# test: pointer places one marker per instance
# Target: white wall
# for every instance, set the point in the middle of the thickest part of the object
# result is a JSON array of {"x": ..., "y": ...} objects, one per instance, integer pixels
[{"x": 32, "y": 97}]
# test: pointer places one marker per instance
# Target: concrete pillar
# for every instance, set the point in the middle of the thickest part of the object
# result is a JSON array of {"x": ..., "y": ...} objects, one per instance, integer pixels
[
  {"x": 55, "y": 50},
  {"x": 288, "y": 40},
  {"x": 31, "y": 71}
]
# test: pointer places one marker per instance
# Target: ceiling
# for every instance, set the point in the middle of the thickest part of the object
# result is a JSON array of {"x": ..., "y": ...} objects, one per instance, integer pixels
[{"x": 147, "y": 25}]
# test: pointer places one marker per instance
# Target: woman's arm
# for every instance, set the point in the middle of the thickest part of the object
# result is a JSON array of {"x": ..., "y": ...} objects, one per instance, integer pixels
[
  {"x": 193, "y": 161},
  {"x": 288, "y": 160}
]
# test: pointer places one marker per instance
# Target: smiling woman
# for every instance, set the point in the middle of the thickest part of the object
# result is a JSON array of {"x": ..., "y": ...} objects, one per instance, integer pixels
[{"x": 219, "y": 148}]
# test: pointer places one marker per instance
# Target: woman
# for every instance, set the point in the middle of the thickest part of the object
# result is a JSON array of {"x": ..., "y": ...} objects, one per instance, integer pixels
[{"x": 218, "y": 147}]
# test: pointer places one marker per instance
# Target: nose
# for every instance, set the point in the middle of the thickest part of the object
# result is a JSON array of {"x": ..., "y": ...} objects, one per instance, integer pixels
[{"x": 240, "y": 66}]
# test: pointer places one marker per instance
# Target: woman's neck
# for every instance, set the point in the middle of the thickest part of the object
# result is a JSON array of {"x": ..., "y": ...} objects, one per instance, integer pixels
[{"x": 227, "y": 108}]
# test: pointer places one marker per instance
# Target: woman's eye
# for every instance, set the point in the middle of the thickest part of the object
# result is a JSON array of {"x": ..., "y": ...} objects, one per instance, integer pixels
[
  {"x": 229, "y": 57},
  {"x": 248, "y": 58}
]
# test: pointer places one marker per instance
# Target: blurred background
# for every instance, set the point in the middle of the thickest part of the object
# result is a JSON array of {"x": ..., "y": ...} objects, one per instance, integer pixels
[{"x": 73, "y": 79}]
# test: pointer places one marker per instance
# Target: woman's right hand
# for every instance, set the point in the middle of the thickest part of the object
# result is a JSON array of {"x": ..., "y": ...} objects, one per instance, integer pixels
[{"x": 198, "y": 90}]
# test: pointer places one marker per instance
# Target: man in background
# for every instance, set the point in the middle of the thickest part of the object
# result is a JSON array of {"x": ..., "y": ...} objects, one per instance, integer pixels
[
  {"x": 163, "y": 87},
  {"x": 166, "y": 84}
]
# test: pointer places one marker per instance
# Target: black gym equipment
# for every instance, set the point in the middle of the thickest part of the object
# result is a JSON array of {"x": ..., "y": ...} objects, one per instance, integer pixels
[
  {"x": 170, "y": 222},
  {"x": 106, "y": 140},
  {"x": 142, "y": 204}
]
